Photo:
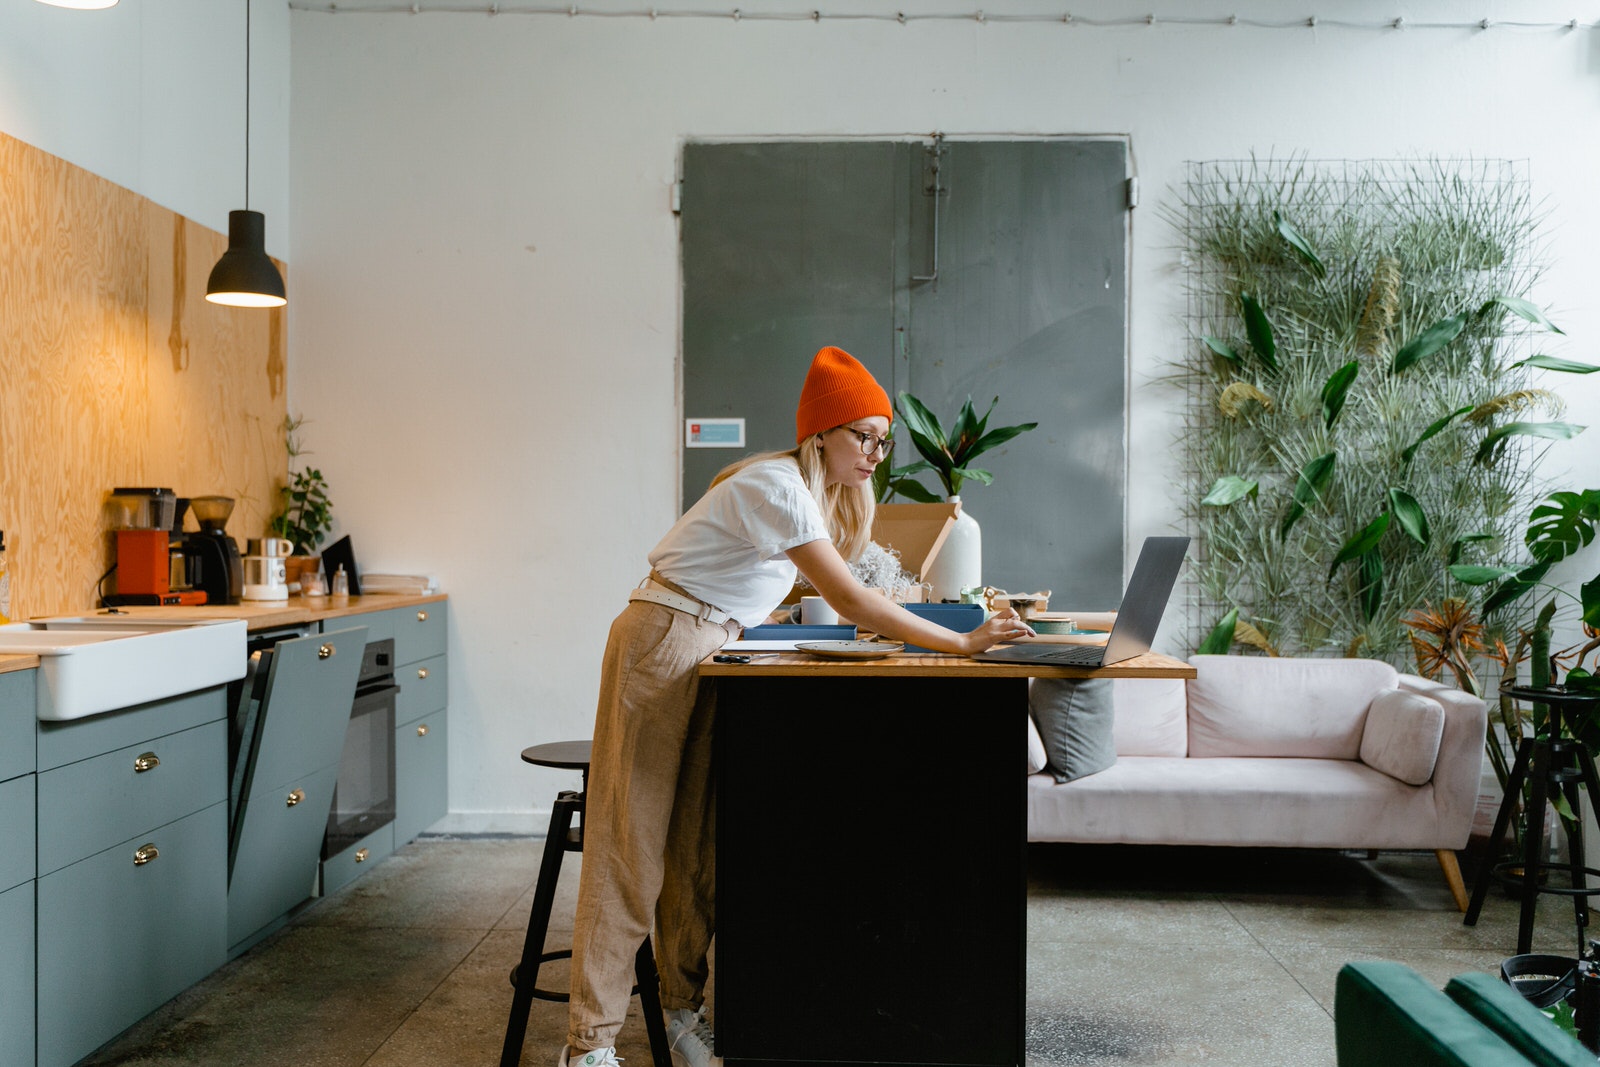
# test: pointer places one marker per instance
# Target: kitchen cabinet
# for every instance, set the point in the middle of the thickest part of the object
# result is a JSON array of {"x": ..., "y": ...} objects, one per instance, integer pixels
[
  {"x": 421, "y": 756},
  {"x": 291, "y": 766},
  {"x": 132, "y": 880},
  {"x": 17, "y": 869}
]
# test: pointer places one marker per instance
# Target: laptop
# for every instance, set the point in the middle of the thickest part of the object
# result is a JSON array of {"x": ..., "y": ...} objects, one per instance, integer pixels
[{"x": 1143, "y": 604}]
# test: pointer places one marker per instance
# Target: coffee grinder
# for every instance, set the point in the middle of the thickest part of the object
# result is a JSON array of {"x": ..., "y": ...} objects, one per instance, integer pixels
[
  {"x": 213, "y": 558},
  {"x": 144, "y": 521}
]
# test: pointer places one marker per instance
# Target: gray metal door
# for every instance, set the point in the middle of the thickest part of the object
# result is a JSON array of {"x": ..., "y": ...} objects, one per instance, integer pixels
[{"x": 791, "y": 246}]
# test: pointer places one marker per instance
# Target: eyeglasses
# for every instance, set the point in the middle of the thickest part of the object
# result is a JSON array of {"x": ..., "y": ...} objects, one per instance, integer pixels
[{"x": 871, "y": 442}]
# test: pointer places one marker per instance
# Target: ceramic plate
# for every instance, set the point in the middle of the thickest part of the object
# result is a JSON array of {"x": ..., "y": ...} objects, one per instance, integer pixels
[{"x": 851, "y": 649}]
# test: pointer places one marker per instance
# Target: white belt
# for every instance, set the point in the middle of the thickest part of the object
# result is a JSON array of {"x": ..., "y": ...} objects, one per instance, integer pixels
[{"x": 655, "y": 594}]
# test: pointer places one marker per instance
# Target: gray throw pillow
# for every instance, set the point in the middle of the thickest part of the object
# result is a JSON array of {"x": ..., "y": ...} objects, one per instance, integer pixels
[{"x": 1074, "y": 717}]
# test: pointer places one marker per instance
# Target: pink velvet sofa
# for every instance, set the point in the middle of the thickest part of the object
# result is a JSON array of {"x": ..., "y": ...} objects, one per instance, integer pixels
[{"x": 1257, "y": 751}]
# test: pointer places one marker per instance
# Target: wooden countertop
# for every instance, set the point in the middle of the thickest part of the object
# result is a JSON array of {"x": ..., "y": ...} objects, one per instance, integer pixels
[
  {"x": 914, "y": 665},
  {"x": 257, "y": 614}
]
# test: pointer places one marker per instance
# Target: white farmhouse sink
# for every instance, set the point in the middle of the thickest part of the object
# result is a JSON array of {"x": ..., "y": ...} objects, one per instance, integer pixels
[{"x": 90, "y": 665}]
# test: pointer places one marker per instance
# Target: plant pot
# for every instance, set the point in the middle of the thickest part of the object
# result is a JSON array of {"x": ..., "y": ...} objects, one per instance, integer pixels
[{"x": 294, "y": 566}]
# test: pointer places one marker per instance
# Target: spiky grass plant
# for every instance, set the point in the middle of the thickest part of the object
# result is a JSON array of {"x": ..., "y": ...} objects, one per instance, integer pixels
[{"x": 1357, "y": 419}]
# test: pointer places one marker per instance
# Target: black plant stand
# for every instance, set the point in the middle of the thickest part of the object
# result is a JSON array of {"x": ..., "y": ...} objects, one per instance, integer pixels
[{"x": 1547, "y": 762}]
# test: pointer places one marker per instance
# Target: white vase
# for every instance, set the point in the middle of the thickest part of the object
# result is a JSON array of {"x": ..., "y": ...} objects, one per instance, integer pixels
[{"x": 959, "y": 563}]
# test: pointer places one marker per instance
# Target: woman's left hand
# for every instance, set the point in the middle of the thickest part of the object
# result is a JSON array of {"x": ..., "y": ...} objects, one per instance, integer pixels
[{"x": 1004, "y": 625}]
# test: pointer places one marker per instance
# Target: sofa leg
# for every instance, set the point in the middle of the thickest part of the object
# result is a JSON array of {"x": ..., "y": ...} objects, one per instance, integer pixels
[{"x": 1452, "y": 875}]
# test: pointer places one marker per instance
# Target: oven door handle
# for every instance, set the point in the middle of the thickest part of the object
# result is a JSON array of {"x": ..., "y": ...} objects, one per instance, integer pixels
[{"x": 376, "y": 691}]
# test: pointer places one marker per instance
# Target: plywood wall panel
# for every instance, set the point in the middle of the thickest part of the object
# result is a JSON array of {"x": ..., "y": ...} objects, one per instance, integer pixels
[{"x": 114, "y": 370}]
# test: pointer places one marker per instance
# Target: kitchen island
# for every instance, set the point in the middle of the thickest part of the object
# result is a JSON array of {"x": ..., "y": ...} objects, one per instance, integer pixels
[{"x": 892, "y": 903}]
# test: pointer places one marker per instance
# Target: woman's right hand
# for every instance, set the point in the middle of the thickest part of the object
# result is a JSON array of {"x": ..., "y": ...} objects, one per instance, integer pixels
[{"x": 1004, "y": 625}]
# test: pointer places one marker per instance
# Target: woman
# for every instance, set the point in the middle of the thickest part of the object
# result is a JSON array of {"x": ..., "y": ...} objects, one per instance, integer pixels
[{"x": 649, "y": 834}]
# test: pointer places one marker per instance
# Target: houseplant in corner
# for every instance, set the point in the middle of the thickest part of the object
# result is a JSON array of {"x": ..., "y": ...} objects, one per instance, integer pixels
[
  {"x": 305, "y": 514},
  {"x": 959, "y": 564}
]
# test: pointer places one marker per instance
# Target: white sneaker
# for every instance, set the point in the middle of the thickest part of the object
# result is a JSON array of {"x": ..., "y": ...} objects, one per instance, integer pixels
[
  {"x": 599, "y": 1057},
  {"x": 690, "y": 1038}
]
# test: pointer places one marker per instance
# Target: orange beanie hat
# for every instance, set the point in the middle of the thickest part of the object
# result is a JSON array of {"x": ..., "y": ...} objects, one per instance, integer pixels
[{"x": 838, "y": 390}]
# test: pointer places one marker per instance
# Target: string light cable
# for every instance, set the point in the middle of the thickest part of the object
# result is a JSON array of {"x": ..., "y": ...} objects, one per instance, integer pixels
[{"x": 1153, "y": 21}]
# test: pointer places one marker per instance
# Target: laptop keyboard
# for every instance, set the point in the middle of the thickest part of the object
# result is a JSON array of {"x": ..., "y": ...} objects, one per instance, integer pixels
[{"x": 1085, "y": 655}]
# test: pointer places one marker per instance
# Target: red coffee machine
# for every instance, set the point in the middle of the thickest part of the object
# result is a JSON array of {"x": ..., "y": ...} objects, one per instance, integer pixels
[{"x": 146, "y": 522}]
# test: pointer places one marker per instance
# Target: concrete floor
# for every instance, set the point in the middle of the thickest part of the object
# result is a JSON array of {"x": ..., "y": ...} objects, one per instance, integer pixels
[{"x": 1135, "y": 956}]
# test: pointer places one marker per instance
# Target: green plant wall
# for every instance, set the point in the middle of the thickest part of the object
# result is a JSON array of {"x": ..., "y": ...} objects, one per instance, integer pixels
[{"x": 1359, "y": 411}]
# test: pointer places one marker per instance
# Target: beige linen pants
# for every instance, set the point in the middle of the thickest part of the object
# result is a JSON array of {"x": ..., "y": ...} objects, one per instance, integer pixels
[{"x": 649, "y": 833}]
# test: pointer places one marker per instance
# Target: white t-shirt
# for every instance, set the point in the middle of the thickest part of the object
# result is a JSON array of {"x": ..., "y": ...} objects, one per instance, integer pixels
[{"x": 728, "y": 549}]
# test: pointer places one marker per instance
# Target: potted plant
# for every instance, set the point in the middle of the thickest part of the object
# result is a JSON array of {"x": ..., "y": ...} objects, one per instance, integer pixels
[
  {"x": 959, "y": 563},
  {"x": 305, "y": 514}
]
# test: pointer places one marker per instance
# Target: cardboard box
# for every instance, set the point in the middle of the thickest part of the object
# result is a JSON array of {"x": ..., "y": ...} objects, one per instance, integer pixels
[{"x": 916, "y": 531}]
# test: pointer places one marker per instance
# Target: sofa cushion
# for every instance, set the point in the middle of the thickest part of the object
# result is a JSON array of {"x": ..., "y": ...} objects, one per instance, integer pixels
[
  {"x": 1152, "y": 716},
  {"x": 1074, "y": 716},
  {"x": 1036, "y": 756},
  {"x": 1270, "y": 706},
  {"x": 1519, "y": 1024},
  {"x": 1236, "y": 800},
  {"x": 1402, "y": 734}
]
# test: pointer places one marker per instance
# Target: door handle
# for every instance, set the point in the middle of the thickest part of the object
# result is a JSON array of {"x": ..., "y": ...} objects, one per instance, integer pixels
[
  {"x": 144, "y": 854},
  {"x": 422, "y": 673},
  {"x": 422, "y": 731},
  {"x": 146, "y": 761},
  {"x": 294, "y": 798},
  {"x": 422, "y": 616},
  {"x": 326, "y": 651}
]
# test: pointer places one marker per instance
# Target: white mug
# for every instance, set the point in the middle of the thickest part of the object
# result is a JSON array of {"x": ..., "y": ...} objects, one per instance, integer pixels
[{"x": 814, "y": 611}]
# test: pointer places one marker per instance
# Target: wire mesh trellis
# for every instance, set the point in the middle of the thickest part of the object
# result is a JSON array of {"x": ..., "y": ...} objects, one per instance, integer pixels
[{"x": 1389, "y": 248}]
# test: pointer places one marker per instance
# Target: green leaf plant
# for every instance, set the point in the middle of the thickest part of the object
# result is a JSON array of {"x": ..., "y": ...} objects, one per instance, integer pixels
[
  {"x": 948, "y": 455},
  {"x": 305, "y": 514},
  {"x": 1359, "y": 388}
]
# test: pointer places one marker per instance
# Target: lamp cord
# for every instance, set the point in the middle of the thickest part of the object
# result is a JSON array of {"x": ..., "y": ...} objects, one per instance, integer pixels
[{"x": 247, "y": 105}]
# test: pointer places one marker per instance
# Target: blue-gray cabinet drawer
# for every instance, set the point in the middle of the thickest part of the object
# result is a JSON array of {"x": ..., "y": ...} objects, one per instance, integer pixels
[
  {"x": 67, "y": 742},
  {"x": 19, "y": 716},
  {"x": 90, "y": 805},
  {"x": 421, "y": 775},
  {"x": 16, "y": 833},
  {"x": 418, "y": 631},
  {"x": 16, "y": 977},
  {"x": 280, "y": 841},
  {"x": 127, "y": 929},
  {"x": 339, "y": 871},
  {"x": 424, "y": 687}
]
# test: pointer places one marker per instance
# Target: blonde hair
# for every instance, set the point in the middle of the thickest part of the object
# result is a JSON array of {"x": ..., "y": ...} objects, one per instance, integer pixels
[{"x": 848, "y": 511}]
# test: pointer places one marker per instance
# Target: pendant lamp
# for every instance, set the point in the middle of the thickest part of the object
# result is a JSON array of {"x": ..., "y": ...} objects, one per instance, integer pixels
[{"x": 245, "y": 276}]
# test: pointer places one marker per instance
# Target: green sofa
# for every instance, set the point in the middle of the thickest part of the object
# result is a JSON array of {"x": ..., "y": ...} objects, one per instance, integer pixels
[{"x": 1387, "y": 1014}]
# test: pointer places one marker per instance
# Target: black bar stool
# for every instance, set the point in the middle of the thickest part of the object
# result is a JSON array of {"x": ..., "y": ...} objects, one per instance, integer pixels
[
  {"x": 1552, "y": 765},
  {"x": 566, "y": 835}
]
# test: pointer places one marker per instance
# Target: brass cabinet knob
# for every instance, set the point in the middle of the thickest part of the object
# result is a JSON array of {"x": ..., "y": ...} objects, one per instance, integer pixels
[
  {"x": 422, "y": 616},
  {"x": 361, "y": 855},
  {"x": 146, "y": 761},
  {"x": 145, "y": 853},
  {"x": 422, "y": 731},
  {"x": 326, "y": 651},
  {"x": 422, "y": 672},
  {"x": 294, "y": 798}
]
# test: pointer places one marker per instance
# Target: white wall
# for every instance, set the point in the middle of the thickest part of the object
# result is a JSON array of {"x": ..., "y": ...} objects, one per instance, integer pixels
[
  {"x": 150, "y": 94},
  {"x": 486, "y": 283}
]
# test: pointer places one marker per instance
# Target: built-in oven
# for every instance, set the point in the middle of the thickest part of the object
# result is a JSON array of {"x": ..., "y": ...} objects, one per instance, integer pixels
[{"x": 363, "y": 797}]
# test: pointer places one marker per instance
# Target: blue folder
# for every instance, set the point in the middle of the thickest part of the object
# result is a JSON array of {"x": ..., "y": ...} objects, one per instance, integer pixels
[{"x": 798, "y": 632}]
